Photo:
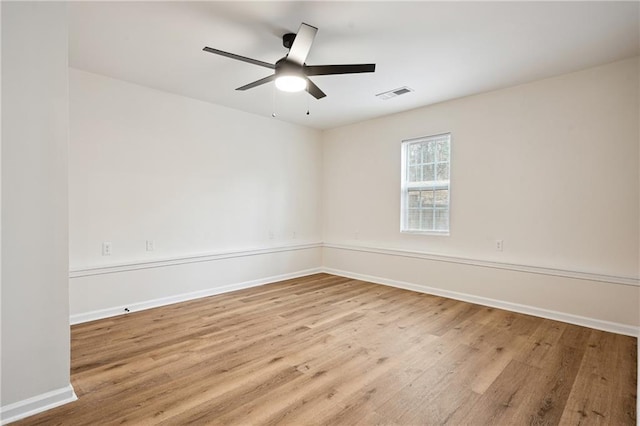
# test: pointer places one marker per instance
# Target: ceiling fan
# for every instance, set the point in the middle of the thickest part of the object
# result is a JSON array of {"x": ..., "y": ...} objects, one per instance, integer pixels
[{"x": 291, "y": 72}]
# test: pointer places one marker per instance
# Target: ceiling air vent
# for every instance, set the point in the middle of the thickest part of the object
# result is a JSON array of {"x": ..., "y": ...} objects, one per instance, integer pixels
[{"x": 393, "y": 93}]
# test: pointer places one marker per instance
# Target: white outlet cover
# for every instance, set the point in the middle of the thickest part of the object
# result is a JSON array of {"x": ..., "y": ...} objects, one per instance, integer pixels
[{"x": 106, "y": 248}]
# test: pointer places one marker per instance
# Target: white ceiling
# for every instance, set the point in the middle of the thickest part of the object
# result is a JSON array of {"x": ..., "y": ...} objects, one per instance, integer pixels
[{"x": 442, "y": 50}]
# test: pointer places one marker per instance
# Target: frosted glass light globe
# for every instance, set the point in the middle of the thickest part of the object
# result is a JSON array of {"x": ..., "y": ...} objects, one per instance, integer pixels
[{"x": 291, "y": 83}]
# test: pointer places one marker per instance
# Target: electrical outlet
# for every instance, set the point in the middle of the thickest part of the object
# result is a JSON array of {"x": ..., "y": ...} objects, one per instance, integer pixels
[
  {"x": 106, "y": 248},
  {"x": 151, "y": 245},
  {"x": 499, "y": 245}
]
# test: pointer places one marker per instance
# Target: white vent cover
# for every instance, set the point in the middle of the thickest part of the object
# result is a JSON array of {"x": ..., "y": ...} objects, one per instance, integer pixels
[{"x": 395, "y": 92}]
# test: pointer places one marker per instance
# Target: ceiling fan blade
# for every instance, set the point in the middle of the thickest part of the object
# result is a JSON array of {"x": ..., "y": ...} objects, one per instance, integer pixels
[
  {"x": 314, "y": 90},
  {"x": 302, "y": 44},
  {"x": 257, "y": 82},
  {"x": 338, "y": 69},
  {"x": 240, "y": 58}
]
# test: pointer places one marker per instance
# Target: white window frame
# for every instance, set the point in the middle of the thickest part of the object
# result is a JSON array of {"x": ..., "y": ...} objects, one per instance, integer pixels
[{"x": 406, "y": 186}]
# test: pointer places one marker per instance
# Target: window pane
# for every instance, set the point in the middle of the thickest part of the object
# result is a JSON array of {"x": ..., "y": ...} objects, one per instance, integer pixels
[
  {"x": 428, "y": 172},
  {"x": 427, "y": 219},
  {"x": 441, "y": 197},
  {"x": 442, "y": 171},
  {"x": 441, "y": 220},
  {"x": 415, "y": 153},
  {"x": 429, "y": 153},
  {"x": 414, "y": 219},
  {"x": 443, "y": 150},
  {"x": 413, "y": 174},
  {"x": 414, "y": 199},
  {"x": 426, "y": 198}
]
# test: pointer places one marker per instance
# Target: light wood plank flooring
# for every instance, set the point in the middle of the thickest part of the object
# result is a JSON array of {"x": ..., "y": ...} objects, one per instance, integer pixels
[{"x": 329, "y": 350}]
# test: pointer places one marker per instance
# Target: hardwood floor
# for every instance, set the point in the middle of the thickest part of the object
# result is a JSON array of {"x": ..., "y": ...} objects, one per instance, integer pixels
[{"x": 331, "y": 350}]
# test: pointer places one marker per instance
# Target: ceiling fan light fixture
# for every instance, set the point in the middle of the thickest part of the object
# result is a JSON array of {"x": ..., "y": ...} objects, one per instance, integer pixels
[
  {"x": 291, "y": 83},
  {"x": 291, "y": 72}
]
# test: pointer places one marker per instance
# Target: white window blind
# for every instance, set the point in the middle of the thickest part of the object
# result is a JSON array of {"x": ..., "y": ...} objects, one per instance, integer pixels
[{"x": 426, "y": 164}]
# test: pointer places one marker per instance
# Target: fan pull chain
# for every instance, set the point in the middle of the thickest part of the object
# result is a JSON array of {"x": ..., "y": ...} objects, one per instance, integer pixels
[{"x": 273, "y": 102}]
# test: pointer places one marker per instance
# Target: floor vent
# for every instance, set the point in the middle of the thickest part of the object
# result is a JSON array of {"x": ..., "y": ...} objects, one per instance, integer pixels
[{"x": 393, "y": 93}]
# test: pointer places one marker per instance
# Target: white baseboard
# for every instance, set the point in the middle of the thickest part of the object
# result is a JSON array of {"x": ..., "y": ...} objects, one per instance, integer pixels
[
  {"x": 37, "y": 404},
  {"x": 613, "y": 327},
  {"x": 510, "y": 306},
  {"x": 154, "y": 303}
]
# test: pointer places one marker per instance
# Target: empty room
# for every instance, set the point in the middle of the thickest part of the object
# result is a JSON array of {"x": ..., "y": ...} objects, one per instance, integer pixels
[{"x": 320, "y": 213}]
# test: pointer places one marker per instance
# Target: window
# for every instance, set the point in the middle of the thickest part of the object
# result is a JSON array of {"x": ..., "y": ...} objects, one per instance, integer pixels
[{"x": 425, "y": 184}]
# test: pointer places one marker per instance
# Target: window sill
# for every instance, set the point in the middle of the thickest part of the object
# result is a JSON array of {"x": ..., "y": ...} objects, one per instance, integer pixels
[{"x": 435, "y": 233}]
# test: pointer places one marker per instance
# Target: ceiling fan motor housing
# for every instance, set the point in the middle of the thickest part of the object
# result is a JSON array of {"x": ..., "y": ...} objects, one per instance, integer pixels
[{"x": 284, "y": 67}]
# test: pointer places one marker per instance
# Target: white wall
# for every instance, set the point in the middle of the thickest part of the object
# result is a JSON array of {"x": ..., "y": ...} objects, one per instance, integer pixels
[
  {"x": 195, "y": 178},
  {"x": 550, "y": 167},
  {"x": 35, "y": 296},
  {"x": 539, "y": 166}
]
